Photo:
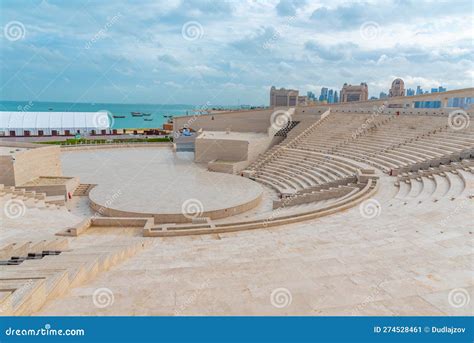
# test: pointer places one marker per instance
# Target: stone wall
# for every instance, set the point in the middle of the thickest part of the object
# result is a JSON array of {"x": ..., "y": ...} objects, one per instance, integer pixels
[
  {"x": 29, "y": 164},
  {"x": 241, "y": 121},
  {"x": 177, "y": 217},
  {"x": 7, "y": 176},
  {"x": 226, "y": 167},
  {"x": 229, "y": 150},
  {"x": 209, "y": 149}
]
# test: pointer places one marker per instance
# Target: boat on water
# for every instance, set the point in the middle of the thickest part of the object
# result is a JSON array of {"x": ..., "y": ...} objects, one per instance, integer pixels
[
  {"x": 146, "y": 114},
  {"x": 119, "y": 116},
  {"x": 137, "y": 114},
  {"x": 148, "y": 119}
]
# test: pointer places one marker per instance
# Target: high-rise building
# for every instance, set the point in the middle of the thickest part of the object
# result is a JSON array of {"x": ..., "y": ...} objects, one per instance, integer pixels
[
  {"x": 311, "y": 96},
  {"x": 383, "y": 95},
  {"x": 330, "y": 96},
  {"x": 283, "y": 97},
  {"x": 441, "y": 89},
  {"x": 419, "y": 91},
  {"x": 397, "y": 89},
  {"x": 351, "y": 93},
  {"x": 410, "y": 92},
  {"x": 324, "y": 94}
]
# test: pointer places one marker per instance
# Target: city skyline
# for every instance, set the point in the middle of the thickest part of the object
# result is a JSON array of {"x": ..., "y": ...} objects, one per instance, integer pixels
[{"x": 199, "y": 52}]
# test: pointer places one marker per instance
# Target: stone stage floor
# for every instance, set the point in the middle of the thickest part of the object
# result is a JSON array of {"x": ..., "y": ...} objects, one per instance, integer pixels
[{"x": 156, "y": 180}]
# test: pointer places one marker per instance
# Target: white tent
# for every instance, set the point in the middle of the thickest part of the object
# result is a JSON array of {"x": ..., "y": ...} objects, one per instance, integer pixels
[{"x": 54, "y": 123}]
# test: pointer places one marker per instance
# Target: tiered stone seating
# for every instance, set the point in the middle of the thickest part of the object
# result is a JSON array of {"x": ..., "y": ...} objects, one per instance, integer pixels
[
  {"x": 340, "y": 192},
  {"x": 20, "y": 251},
  {"x": 444, "y": 182},
  {"x": 31, "y": 199},
  {"x": 315, "y": 165},
  {"x": 338, "y": 129},
  {"x": 391, "y": 143},
  {"x": 442, "y": 147},
  {"x": 299, "y": 132},
  {"x": 24, "y": 288},
  {"x": 83, "y": 189},
  {"x": 303, "y": 177},
  {"x": 292, "y": 170},
  {"x": 378, "y": 140}
]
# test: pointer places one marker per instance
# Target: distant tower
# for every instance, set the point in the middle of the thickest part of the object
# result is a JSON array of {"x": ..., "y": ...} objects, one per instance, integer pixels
[
  {"x": 398, "y": 88},
  {"x": 330, "y": 96},
  {"x": 324, "y": 94}
]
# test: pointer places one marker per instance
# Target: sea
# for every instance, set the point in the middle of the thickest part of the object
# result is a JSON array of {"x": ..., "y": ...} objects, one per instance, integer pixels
[{"x": 158, "y": 112}]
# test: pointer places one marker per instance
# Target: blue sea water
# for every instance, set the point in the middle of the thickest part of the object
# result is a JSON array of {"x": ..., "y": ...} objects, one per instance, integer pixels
[{"x": 157, "y": 111}]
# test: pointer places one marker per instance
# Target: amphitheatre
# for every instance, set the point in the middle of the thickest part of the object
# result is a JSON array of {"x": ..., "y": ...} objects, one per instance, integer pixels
[{"x": 361, "y": 208}]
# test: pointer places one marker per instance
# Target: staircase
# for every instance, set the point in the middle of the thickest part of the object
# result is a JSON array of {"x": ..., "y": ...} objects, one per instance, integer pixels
[
  {"x": 25, "y": 287},
  {"x": 30, "y": 199},
  {"x": 83, "y": 189}
]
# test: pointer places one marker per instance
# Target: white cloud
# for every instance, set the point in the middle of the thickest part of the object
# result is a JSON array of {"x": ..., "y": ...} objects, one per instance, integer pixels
[{"x": 312, "y": 45}]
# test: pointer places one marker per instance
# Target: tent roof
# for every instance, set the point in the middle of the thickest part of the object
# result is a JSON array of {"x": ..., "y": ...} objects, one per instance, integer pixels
[{"x": 55, "y": 120}]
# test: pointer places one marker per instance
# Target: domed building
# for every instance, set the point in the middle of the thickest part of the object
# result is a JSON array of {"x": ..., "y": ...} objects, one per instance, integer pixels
[{"x": 397, "y": 89}]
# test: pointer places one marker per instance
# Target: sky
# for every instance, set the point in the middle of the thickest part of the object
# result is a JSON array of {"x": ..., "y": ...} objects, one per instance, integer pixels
[{"x": 204, "y": 52}]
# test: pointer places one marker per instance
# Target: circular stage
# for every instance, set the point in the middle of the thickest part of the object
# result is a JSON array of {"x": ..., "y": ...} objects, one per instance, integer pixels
[{"x": 155, "y": 181}]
